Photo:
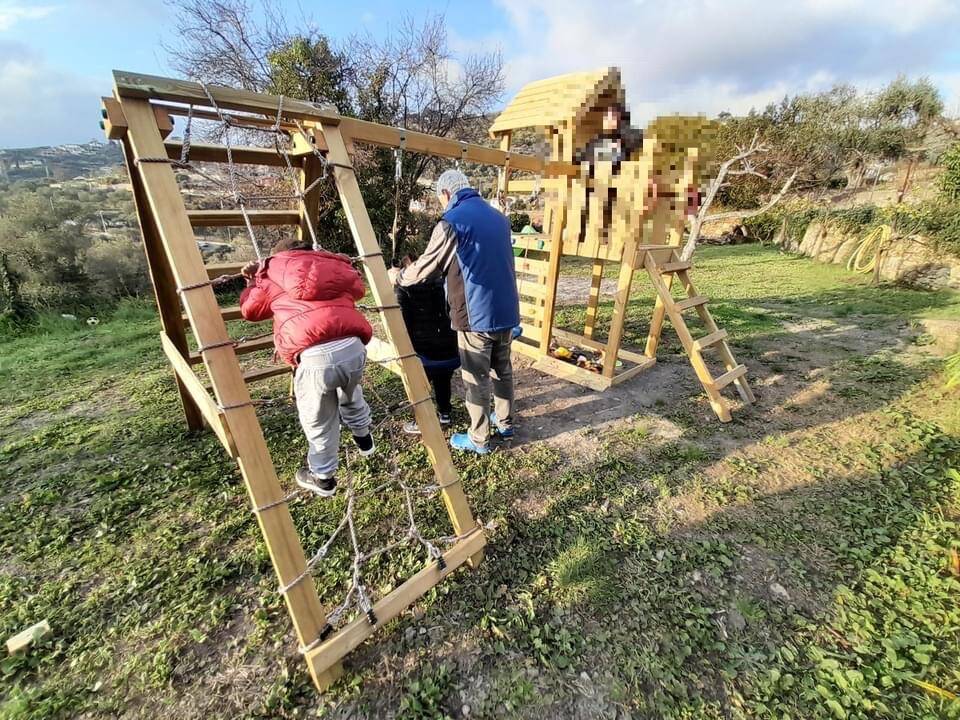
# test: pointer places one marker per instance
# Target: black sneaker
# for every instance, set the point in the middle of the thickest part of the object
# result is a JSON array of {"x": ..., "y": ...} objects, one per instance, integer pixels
[
  {"x": 365, "y": 443},
  {"x": 444, "y": 418},
  {"x": 324, "y": 487}
]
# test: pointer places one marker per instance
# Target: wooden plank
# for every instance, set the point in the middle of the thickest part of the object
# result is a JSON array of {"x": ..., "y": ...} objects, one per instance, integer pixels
[
  {"x": 538, "y": 242},
  {"x": 200, "y": 395},
  {"x": 310, "y": 170},
  {"x": 204, "y": 152},
  {"x": 253, "y": 457},
  {"x": 642, "y": 366},
  {"x": 593, "y": 301},
  {"x": 417, "y": 142},
  {"x": 25, "y": 638},
  {"x": 530, "y": 328},
  {"x": 234, "y": 218},
  {"x": 531, "y": 288},
  {"x": 114, "y": 123},
  {"x": 728, "y": 377},
  {"x": 672, "y": 267},
  {"x": 523, "y": 346},
  {"x": 161, "y": 278},
  {"x": 531, "y": 267},
  {"x": 621, "y": 300},
  {"x": 395, "y": 602},
  {"x": 264, "y": 373},
  {"x": 531, "y": 310},
  {"x": 690, "y": 302},
  {"x": 244, "y": 347},
  {"x": 230, "y": 312},
  {"x": 553, "y": 269},
  {"x": 215, "y": 270},
  {"x": 414, "y": 378},
  {"x": 569, "y": 371},
  {"x": 708, "y": 340},
  {"x": 136, "y": 85}
]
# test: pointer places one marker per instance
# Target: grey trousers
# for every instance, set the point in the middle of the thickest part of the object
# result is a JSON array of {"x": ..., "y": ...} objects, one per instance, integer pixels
[
  {"x": 327, "y": 388},
  {"x": 485, "y": 357}
]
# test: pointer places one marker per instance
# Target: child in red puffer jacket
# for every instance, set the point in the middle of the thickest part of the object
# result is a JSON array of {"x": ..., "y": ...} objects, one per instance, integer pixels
[{"x": 317, "y": 328}]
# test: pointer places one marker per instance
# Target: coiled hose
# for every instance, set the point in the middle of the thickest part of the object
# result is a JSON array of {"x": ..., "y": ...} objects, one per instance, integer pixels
[{"x": 873, "y": 241}]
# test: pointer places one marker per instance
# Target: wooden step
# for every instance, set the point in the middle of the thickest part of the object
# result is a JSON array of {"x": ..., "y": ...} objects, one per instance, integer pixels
[
  {"x": 215, "y": 270},
  {"x": 691, "y": 302},
  {"x": 256, "y": 374},
  {"x": 231, "y": 312},
  {"x": 708, "y": 340},
  {"x": 234, "y": 218},
  {"x": 203, "y": 152},
  {"x": 728, "y": 377},
  {"x": 242, "y": 348},
  {"x": 672, "y": 267}
]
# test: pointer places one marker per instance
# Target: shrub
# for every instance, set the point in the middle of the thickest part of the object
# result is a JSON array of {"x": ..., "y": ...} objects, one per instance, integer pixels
[
  {"x": 518, "y": 221},
  {"x": 950, "y": 179}
]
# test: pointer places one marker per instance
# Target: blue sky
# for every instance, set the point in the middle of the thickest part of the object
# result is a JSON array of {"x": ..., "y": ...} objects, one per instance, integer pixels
[{"x": 681, "y": 56}]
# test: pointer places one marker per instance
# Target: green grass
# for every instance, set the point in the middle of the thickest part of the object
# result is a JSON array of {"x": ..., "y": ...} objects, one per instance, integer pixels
[{"x": 799, "y": 562}]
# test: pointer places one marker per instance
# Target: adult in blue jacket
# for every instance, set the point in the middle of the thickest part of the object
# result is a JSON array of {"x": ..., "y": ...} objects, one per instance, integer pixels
[{"x": 471, "y": 248}]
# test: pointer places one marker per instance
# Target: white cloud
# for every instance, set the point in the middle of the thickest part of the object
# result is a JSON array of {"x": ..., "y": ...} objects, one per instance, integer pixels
[
  {"x": 13, "y": 12},
  {"x": 43, "y": 105},
  {"x": 713, "y": 55}
]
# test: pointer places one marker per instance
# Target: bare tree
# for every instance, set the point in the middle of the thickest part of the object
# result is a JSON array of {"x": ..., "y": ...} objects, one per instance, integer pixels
[
  {"x": 411, "y": 79},
  {"x": 739, "y": 164}
]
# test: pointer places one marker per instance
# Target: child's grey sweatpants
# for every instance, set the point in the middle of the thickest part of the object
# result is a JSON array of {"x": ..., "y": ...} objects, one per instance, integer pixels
[{"x": 327, "y": 387}]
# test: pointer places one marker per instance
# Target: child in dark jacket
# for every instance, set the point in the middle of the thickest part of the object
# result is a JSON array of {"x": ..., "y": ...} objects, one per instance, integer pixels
[
  {"x": 317, "y": 328},
  {"x": 424, "y": 308}
]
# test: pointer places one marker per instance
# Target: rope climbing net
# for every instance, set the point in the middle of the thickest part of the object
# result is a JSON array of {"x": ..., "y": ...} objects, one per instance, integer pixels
[{"x": 407, "y": 532}]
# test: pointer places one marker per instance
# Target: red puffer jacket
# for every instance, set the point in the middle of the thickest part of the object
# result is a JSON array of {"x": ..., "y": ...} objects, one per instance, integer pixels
[{"x": 310, "y": 295}]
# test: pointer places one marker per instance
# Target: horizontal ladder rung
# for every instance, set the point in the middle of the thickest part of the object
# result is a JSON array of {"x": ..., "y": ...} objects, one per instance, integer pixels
[
  {"x": 728, "y": 377},
  {"x": 231, "y": 312},
  {"x": 708, "y": 340},
  {"x": 672, "y": 267},
  {"x": 234, "y": 218},
  {"x": 691, "y": 302},
  {"x": 215, "y": 270},
  {"x": 202, "y": 152},
  {"x": 263, "y": 373},
  {"x": 241, "y": 348}
]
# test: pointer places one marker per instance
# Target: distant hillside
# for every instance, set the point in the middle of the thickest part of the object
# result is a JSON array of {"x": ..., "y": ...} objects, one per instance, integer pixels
[{"x": 60, "y": 162}]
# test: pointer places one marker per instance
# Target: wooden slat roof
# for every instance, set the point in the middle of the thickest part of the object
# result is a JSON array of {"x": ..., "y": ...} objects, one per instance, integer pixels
[{"x": 549, "y": 102}]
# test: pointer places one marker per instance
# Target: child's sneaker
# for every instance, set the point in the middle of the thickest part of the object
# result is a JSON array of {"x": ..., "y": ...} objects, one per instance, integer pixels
[
  {"x": 365, "y": 444},
  {"x": 462, "y": 441},
  {"x": 444, "y": 418},
  {"x": 411, "y": 428},
  {"x": 497, "y": 430},
  {"x": 324, "y": 487}
]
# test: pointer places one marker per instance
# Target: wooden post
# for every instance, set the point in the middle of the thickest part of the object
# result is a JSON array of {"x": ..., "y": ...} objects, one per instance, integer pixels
[
  {"x": 414, "y": 379},
  {"x": 256, "y": 466},
  {"x": 553, "y": 267},
  {"x": 164, "y": 286},
  {"x": 593, "y": 302},
  {"x": 620, "y": 302},
  {"x": 309, "y": 171}
]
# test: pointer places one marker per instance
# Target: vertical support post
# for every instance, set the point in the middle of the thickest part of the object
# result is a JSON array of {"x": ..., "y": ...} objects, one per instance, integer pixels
[
  {"x": 593, "y": 302},
  {"x": 553, "y": 266},
  {"x": 412, "y": 374},
  {"x": 505, "y": 176},
  {"x": 620, "y": 302},
  {"x": 253, "y": 457},
  {"x": 309, "y": 171},
  {"x": 164, "y": 286}
]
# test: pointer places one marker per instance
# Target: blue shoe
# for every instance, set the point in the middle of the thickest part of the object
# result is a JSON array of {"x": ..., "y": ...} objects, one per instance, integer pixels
[
  {"x": 497, "y": 430},
  {"x": 462, "y": 441}
]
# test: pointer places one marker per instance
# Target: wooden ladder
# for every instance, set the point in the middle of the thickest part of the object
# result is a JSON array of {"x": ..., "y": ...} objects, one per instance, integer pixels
[{"x": 661, "y": 275}]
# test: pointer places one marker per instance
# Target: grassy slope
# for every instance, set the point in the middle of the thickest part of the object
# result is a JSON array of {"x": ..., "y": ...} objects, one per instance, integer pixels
[{"x": 795, "y": 563}]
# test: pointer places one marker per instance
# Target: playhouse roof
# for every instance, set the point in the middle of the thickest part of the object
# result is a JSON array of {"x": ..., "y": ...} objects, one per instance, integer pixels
[{"x": 552, "y": 101}]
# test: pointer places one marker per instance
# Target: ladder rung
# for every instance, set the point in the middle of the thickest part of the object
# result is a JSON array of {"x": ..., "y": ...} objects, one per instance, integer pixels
[
  {"x": 672, "y": 267},
  {"x": 729, "y": 376},
  {"x": 242, "y": 348},
  {"x": 215, "y": 270},
  {"x": 691, "y": 302},
  {"x": 202, "y": 152},
  {"x": 231, "y": 312},
  {"x": 234, "y": 218},
  {"x": 708, "y": 340},
  {"x": 265, "y": 372}
]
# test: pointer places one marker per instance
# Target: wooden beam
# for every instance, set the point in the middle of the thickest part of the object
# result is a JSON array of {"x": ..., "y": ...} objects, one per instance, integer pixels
[
  {"x": 215, "y": 270},
  {"x": 708, "y": 340},
  {"x": 728, "y": 377},
  {"x": 161, "y": 278},
  {"x": 414, "y": 379},
  {"x": 234, "y": 218},
  {"x": 201, "y": 396},
  {"x": 643, "y": 365},
  {"x": 395, "y": 602},
  {"x": 553, "y": 268},
  {"x": 244, "y": 347},
  {"x": 571, "y": 372},
  {"x": 136, "y": 85},
  {"x": 204, "y": 152},
  {"x": 114, "y": 124},
  {"x": 253, "y": 457}
]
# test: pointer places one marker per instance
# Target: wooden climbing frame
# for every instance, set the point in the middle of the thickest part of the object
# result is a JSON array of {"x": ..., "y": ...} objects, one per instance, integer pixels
[
  {"x": 632, "y": 216},
  {"x": 139, "y": 115}
]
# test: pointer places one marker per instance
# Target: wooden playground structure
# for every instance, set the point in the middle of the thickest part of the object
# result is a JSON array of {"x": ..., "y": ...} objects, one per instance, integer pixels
[
  {"x": 632, "y": 215},
  {"x": 315, "y": 145}
]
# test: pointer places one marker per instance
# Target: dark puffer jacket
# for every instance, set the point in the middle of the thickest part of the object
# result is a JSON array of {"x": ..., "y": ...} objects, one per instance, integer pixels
[
  {"x": 425, "y": 312},
  {"x": 311, "y": 297}
]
